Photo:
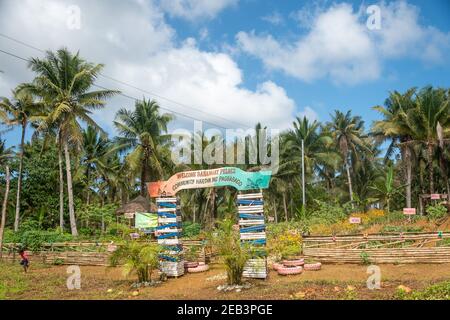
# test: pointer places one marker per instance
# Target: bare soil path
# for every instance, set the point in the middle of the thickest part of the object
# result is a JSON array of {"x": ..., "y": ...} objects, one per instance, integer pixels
[{"x": 332, "y": 282}]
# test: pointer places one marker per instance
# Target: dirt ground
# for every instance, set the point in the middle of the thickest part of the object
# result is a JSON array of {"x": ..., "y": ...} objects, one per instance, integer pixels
[{"x": 332, "y": 282}]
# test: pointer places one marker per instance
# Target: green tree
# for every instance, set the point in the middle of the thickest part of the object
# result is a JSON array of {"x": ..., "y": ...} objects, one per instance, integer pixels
[
  {"x": 142, "y": 131},
  {"x": 20, "y": 110},
  {"x": 5, "y": 156},
  {"x": 64, "y": 81},
  {"x": 430, "y": 121},
  {"x": 395, "y": 127},
  {"x": 348, "y": 133},
  {"x": 385, "y": 188}
]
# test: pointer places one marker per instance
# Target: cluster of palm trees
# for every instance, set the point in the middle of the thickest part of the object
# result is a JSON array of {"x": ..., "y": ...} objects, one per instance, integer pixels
[{"x": 343, "y": 161}]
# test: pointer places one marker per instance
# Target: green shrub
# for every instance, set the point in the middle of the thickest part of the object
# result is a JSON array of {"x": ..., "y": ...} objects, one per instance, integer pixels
[
  {"x": 326, "y": 213},
  {"x": 436, "y": 212},
  {"x": 58, "y": 261},
  {"x": 191, "y": 229},
  {"x": 365, "y": 258},
  {"x": 138, "y": 258},
  {"x": 119, "y": 230},
  {"x": 227, "y": 241},
  {"x": 438, "y": 291},
  {"x": 34, "y": 239}
]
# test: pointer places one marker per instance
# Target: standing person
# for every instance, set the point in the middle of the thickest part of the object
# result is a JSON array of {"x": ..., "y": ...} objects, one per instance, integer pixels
[{"x": 24, "y": 262}]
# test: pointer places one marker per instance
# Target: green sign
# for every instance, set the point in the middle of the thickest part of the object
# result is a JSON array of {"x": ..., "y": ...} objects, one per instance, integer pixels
[{"x": 146, "y": 220}]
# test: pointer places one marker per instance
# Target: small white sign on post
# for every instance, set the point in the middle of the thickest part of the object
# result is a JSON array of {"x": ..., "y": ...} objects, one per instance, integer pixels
[
  {"x": 355, "y": 220},
  {"x": 409, "y": 211},
  {"x": 435, "y": 196}
]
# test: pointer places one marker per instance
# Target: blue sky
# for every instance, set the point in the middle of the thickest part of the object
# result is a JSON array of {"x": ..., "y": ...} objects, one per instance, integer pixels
[{"x": 245, "y": 61}]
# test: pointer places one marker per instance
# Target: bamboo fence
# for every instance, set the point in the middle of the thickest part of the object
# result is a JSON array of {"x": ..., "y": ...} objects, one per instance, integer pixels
[
  {"x": 83, "y": 253},
  {"x": 380, "y": 248}
]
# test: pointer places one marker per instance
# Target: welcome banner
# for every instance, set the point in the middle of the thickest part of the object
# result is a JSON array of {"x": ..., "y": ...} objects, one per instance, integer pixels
[{"x": 228, "y": 176}]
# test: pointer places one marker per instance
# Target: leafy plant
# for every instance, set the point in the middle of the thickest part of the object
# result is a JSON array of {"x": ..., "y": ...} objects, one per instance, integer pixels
[
  {"x": 139, "y": 258},
  {"x": 192, "y": 253},
  {"x": 227, "y": 241},
  {"x": 438, "y": 291},
  {"x": 191, "y": 229},
  {"x": 436, "y": 212},
  {"x": 365, "y": 258}
]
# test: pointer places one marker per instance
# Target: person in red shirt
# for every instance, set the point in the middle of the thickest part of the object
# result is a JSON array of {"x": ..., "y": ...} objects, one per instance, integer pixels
[{"x": 24, "y": 262}]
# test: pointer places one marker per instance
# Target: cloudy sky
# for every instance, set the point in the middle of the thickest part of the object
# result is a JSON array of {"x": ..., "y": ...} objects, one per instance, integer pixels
[{"x": 233, "y": 63}]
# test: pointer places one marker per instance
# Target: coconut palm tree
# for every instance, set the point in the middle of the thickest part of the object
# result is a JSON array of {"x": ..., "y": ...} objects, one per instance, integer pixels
[
  {"x": 318, "y": 149},
  {"x": 64, "y": 81},
  {"x": 20, "y": 110},
  {"x": 96, "y": 148},
  {"x": 396, "y": 127},
  {"x": 143, "y": 131},
  {"x": 430, "y": 122},
  {"x": 5, "y": 155},
  {"x": 348, "y": 133}
]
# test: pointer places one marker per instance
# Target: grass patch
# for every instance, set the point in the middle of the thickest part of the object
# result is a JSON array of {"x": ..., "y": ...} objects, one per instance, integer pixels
[{"x": 13, "y": 281}]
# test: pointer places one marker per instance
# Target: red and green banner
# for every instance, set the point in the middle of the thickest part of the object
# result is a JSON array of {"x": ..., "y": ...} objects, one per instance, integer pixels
[{"x": 228, "y": 176}]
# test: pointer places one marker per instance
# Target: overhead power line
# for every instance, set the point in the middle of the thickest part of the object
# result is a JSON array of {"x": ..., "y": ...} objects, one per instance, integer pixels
[
  {"x": 129, "y": 96},
  {"x": 137, "y": 88}
]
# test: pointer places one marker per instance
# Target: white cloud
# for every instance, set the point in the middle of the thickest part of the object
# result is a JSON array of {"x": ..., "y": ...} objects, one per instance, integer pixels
[
  {"x": 138, "y": 47},
  {"x": 195, "y": 9},
  {"x": 339, "y": 46},
  {"x": 274, "y": 18},
  {"x": 309, "y": 113},
  {"x": 401, "y": 34}
]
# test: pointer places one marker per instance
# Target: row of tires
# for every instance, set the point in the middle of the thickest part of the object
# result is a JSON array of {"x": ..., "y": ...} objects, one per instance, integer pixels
[{"x": 291, "y": 267}]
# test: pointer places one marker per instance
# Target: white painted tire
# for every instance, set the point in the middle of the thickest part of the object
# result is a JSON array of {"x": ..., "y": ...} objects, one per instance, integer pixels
[
  {"x": 312, "y": 266},
  {"x": 191, "y": 264},
  {"x": 276, "y": 266},
  {"x": 200, "y": 268},
  {"x": 294, "y": 263},
  {"x": 286, "y": 271}
]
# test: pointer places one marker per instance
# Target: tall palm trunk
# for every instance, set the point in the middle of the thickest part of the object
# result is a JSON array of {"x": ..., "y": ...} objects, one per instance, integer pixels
[
  {"x": 275, "y": 211},
  {"x": 212, "y": 202},
  {"x": 73, "y": 223},
  {"x": 19, "y": 179},
  {"x": 61, "y": 189},
  {"x": 88, "y": 178},
  {"x": 430, "y": 167},
  {"x": 144, "y": 175},
  {"x": 285, "y": 206},
  {"x": 349, "y": 179},
  {"x": 5, "y": 203},
  {"x": 408, "y": 176}
]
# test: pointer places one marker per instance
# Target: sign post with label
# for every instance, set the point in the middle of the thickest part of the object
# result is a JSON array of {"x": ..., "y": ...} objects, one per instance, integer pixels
[{"x": 409, "y": 212}]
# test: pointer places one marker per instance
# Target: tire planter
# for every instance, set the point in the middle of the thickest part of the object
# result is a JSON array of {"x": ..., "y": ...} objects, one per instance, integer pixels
[
  {"x": 191, "y": 264},
  {"x": 312, "y": 266},
  {"x": 200, "y": 268},
  {"x": 294, "y": 263},
  {"x": 286, "y": 271},
  {"x": 276, "y": 266}
]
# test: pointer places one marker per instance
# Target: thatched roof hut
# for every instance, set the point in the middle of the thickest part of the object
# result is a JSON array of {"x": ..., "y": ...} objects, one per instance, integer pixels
[{"x": 138, "y": 204}]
